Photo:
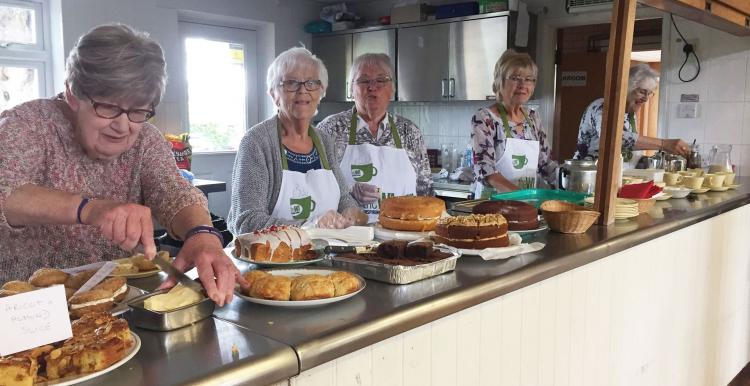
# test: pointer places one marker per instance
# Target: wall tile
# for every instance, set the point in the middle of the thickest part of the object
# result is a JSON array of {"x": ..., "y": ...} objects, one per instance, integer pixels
[
  {"x": 724, "y": 45},
  {"x": 722, "y": 76},
  {"x": 676, "y": 87},
  {"x": 687, "y": 129},
  {"x": 745, "y": 140},
  {"x": 723, "y": 122}
]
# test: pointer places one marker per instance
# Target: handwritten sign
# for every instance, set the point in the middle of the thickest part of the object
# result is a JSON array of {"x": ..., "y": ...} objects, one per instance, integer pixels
[{"x": 34, "y": 318}]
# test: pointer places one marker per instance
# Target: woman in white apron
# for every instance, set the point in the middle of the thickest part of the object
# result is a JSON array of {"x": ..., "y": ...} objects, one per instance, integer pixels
[
  {"x": 510, "y": 147},
  {"x": 642, "y": 82},
  {"x": 382, "y": 155},
  {"x": 282, "y": 173}
]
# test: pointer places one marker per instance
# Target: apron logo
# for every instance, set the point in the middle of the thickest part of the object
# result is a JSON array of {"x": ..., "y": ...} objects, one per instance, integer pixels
[
  {"x": 519, "y": 161},
  {"x": 364, "y": 173},
  {"x": 301, "y": 207}
]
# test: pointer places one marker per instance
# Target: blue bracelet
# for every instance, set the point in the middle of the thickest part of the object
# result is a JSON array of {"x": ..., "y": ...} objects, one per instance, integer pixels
[
  {"x": 84, "y": 201},
  {"x": 204, "y": 229}
]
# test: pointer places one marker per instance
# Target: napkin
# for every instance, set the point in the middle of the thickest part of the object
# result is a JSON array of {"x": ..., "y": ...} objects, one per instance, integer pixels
[
  {"x": 639, "y": 191},
  {"x": 513, "y": 250},
  {"x": 353, "y": 234}
]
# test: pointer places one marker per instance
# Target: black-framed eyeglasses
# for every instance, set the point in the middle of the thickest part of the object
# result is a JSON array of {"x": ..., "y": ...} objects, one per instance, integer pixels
[
  {"x": 110, "y": 111},
  {"x": 292, "y": 85},
  {"x": 377, "y": 82}
]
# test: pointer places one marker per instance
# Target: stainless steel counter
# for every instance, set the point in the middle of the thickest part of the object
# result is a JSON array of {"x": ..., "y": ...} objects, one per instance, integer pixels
[{"x": 382, "y": 310}]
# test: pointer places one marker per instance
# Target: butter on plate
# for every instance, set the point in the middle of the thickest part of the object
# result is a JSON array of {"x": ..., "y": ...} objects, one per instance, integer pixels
[{"x": 179, "y": 296}]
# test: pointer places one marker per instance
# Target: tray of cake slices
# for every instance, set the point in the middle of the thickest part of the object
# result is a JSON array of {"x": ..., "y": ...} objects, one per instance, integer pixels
[{"x": 400, "y": 261}]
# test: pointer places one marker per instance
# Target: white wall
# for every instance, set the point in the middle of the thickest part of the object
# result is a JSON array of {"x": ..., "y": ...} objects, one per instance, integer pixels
[
  {"x": 279, "y": 24},
  {"x": 723, "y": 86}
]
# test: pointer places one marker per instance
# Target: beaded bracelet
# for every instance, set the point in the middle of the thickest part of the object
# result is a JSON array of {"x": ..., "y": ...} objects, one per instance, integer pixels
[
  {"x": 84, "y": 201},
  {"x": 204, "y": 229}
]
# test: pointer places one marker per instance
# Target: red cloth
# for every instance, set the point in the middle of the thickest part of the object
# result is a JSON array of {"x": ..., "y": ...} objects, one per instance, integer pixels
[{"x": 639, "y": 191}]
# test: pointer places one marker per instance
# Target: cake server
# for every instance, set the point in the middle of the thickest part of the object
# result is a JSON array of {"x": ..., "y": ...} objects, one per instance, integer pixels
[{"x": 167, "y": 267}]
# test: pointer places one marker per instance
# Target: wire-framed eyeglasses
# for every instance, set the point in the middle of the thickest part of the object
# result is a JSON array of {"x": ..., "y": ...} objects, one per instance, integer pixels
[
  {"x": 378, "y": 83},
  {"x": 521, "y": 79},
  {"x": 110, "y": 111},
  {"x": 646, "y": 93},
  {"x": 292, "y": 85}
]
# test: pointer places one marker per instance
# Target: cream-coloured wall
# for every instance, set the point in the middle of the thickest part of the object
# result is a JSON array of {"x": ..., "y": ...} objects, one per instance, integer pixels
[{"x": 671, "y": 311}]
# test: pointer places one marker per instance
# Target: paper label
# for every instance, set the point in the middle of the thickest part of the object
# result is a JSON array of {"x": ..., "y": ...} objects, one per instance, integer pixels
[{"x": 33, "y": 319}]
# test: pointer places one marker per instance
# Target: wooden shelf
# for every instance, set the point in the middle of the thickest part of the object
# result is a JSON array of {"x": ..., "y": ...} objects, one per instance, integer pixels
[{"x": 731, "y": 16}]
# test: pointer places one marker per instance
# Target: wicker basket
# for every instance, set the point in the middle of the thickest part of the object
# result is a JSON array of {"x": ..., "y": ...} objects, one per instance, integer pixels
[{"x": 565, "y": 217}]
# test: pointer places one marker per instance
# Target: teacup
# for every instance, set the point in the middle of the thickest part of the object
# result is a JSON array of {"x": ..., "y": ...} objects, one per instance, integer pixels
[
  {"x": 686, "y": 173},
  {"x": 712, "y": 180},
  {"x": 698, "y": 171},
  {"x": 692, "y": 182},
  {"x": 672, "y": 179},
  {"x": 728, "y": 178}
]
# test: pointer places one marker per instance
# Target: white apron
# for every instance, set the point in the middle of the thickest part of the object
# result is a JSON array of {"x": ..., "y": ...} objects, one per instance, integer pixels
[
  {"x": 520, "y": 159},
  {"x": 386, "y": 167},
  {"x": 306, "y": 195}
]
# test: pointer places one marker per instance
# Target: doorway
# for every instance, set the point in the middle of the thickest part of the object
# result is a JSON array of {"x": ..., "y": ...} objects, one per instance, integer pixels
[{"x": 580, "y": 73}]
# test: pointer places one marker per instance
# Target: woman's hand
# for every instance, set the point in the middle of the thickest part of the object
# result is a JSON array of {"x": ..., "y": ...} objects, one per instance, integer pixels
[
  {"x": 215, "y": 269},
  {"x": 334, "y": 220},
  {"x": 676, "y": 146},
  {"x": 124, "y": 224}
]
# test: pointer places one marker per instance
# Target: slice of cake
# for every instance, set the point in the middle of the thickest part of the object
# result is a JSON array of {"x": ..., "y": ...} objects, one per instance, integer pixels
[{"x": 274, "y": 244}]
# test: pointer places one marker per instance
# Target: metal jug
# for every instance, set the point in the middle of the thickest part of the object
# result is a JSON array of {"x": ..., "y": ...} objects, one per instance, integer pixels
[
  {"x": 577, "y": 175},
  {"x": 674, "y": 163}
]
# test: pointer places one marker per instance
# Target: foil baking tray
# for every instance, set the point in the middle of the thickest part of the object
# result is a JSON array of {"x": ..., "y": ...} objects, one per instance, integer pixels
[
  {"x": 169, "y": 320},
  {"x": 399, "y": 274}
]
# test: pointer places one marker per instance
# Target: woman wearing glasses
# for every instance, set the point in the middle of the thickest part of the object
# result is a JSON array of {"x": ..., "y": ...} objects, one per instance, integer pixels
[
  {"x": 84, "y": 173},
  {"x": 382, "y": 154},
  {"x": 641, "y": 85},
  {"x": 285, "y": 172},
  {"x": 510, "y": 146}
]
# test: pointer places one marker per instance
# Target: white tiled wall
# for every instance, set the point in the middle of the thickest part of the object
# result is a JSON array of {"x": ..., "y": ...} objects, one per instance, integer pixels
[
  {"x": 723, "y": 86},
  {"x": 441, "y": 123}
]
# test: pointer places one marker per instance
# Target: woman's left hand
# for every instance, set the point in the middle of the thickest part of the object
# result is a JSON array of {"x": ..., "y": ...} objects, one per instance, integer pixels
[
  {"x": 215, "y": 269},
  {"x": 676, "y": 146}
]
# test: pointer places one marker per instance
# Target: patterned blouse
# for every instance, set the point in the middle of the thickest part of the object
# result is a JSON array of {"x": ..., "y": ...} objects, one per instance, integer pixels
[
  {"x": 37, "y": 146},
  {"x": 337, "y": 126},
  {"x": 488, "y": 144},
  {"x": 591, "y": 127}
]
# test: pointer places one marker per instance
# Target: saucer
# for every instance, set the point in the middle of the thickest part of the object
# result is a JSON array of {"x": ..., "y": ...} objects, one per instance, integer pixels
[
  {"x": 720, "y": 189},
  {"x": 701, "y": 190},
  {"x": 734, "y": 186}
]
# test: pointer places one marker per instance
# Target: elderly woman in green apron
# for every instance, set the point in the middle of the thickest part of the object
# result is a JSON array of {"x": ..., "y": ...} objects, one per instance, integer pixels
[
  {"x": 381, "y": 154},
  {"x": 285, "y": 171},
  {"x": 509, "y": 144},
  {"x": 641, "y": 85}
]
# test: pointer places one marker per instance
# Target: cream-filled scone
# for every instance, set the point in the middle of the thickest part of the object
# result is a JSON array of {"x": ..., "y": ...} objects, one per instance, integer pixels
[
  {"x": 117, "y": 285},
  {"x": 179, "y": 296},
  {"x": 96, "y": 300},
  {"x": 77, "y": 280}
]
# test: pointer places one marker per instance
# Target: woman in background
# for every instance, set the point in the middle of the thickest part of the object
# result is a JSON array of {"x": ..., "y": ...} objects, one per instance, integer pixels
[
  {"x": 509, "y": 143},
  {"x": 285, "y": 171}
]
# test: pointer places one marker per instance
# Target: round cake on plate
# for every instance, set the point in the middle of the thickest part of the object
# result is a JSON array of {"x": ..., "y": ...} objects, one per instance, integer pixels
[
  {"x": 475, "y": 231},
  {"x": 274, "y": 244},
  {"x": 520, "y": 215},
  {"x": 411, "y": 213}
]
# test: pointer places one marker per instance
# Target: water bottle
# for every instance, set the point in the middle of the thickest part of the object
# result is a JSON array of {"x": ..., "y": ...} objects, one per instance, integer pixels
[{"x": 468, "y": 157}]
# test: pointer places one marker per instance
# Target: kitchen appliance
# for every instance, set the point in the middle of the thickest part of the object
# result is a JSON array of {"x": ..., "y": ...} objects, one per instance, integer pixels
[{"x": 577, "y": 175}]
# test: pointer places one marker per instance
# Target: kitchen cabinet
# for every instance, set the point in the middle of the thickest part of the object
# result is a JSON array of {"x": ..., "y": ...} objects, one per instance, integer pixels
[
  {"x": 337, "y": 51},
  {"x": 450, "y": 61}
]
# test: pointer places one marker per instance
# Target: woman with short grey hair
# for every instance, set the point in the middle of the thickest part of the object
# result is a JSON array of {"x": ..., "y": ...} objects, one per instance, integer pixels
[
  {"x": 381, "y": 154},
  {"x": 642, "y": 82},
  {"x": 83, "y": 173},
  {"x": 285, "y": 172}
]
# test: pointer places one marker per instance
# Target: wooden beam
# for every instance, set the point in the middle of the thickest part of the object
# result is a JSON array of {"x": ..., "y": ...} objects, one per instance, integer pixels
[
  {"x": 696, "y": 10},
  {"x": 615, "y": 94}
]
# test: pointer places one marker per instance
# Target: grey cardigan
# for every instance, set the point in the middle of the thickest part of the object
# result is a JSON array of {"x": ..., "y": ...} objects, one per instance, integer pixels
[{"x": 256, "y": 179}]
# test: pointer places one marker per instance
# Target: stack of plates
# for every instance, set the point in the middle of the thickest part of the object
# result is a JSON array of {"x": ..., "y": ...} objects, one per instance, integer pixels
[{"x": 624, "y": 209}]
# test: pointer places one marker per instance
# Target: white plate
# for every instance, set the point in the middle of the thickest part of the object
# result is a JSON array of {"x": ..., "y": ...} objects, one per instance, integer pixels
[
  {"x": 389, "y": 234},
  {"x": 719, "y": 189},
  {"x": 286, "y": 264},
  {"x": 137, "y": 275},
  {"x": 661, "y": 196},
  {"x": 66, "y": 381},
  {"x": 699, "y": 191},
  {"x": 542, "y": 226},
  {"x": 734, "y": 186},
  {"x": 303, "y": 303}
]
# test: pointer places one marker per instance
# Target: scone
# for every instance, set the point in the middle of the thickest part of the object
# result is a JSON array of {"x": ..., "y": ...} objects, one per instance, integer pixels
[
  {"x": 18, "y": 286},
  {"x": 46, "y": 277},
  {"x": 310, "y": 287},
  {"x": 69, "y": 292},
  {"x": 4, "y": 293},
  {"x": 91, "y": 301},
  {"x": 125, "y": 268},
  {"x": 77, "y": 280},
  {"x": 271, "y": 288},
  {"x": 343, "y": 283},
  {"x": 143, "y": 264},
  {"x": 116, "y": 285},
  {"x": 253, "y": 276}
]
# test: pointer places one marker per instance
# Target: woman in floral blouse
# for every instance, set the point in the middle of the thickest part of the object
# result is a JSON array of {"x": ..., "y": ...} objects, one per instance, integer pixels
[
  {"x": 84, "y": 173},
  {"x": 509, "y": 143},
  {"x": 641, "y": 84}
]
